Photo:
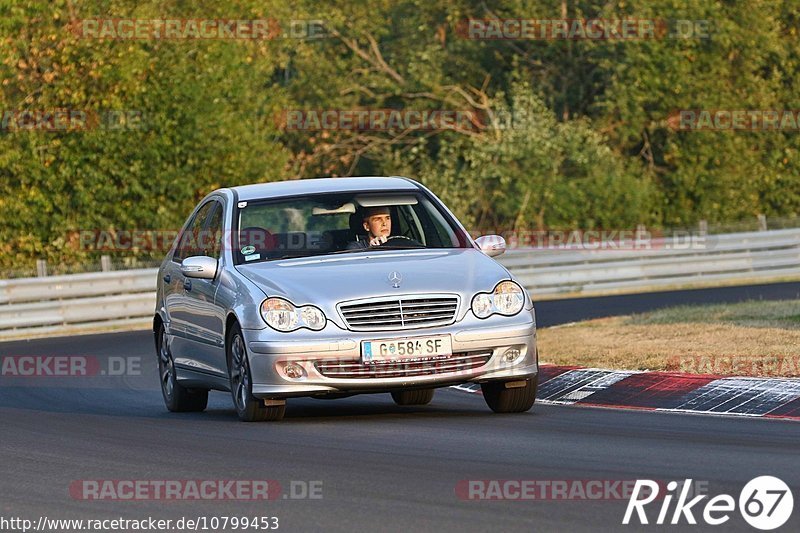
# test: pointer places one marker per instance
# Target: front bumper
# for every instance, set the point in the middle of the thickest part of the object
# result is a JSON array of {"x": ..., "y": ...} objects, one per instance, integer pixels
[{"x": 488, "y": 339}]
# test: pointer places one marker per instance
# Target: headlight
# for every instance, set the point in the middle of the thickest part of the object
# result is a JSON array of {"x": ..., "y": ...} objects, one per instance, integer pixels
[
  {"x": 482, "y": 305},
  {"x": 284, "y": 316},
  {"x": 507, "y": 299}
]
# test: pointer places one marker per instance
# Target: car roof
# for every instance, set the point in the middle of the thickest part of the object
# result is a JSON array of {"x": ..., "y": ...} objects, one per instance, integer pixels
[{"x": 322, "y": 185}]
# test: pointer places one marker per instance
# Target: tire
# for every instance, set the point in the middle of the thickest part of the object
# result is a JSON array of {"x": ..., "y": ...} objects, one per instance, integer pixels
[
  {"x": 248, "y": 407},
  {"x": 177, "y": 398},
  {"x": 413, "y": 397},
  {"x": 516, "y": 400}
]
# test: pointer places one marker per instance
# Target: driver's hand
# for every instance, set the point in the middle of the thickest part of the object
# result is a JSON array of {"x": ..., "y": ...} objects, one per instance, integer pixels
[{"x": 377, "y": 241}]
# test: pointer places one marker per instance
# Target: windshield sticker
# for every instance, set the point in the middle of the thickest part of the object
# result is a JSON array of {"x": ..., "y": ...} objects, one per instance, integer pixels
[
  {"x": 247, "y": 250},
  {"x": 253, "y": 257}
]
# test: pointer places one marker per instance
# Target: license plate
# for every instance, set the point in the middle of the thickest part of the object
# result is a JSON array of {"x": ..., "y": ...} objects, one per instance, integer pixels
[{"x": 408, "y": 348}]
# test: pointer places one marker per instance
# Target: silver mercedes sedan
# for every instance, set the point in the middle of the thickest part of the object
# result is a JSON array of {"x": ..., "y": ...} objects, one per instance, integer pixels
[{"x": 331, "y": 287}]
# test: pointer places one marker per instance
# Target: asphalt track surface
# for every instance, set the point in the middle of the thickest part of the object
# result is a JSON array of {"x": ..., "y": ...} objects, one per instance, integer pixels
[
  {"x": 553, "y": 312},
  {"x": 382, "y": 467}
]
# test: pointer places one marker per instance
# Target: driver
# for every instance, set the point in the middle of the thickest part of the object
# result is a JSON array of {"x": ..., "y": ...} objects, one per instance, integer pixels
[{"x": 377, "y": 222}]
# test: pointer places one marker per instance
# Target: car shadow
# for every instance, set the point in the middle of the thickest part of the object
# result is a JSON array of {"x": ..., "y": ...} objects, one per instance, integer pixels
[{"x": 148, "y": 403}]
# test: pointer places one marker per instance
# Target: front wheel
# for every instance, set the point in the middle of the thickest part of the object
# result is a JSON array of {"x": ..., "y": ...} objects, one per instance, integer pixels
[
  {"x": 177, "y": 398},
  {"x": 514, "y": 399},
  {"x": 248, "y": 407}
]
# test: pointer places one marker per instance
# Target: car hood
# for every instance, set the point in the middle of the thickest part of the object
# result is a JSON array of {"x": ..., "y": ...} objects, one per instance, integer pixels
[{"x": 326, "y": 281}]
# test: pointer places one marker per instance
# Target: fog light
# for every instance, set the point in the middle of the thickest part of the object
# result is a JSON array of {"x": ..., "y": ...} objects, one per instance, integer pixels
[
  {"x": 294, "y": 371},
  {"x": 511, "y": 355}
]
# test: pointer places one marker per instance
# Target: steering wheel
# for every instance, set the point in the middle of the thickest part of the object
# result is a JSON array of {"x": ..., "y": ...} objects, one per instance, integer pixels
[{"x": 411, "y": 242}]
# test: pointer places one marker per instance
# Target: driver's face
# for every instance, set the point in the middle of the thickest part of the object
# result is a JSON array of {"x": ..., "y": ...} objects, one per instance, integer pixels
[{"x": 378, "y": 225}]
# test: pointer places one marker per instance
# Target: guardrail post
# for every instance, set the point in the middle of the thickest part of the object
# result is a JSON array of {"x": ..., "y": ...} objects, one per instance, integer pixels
[
  {"x": 642, "y": 239},
  {"x": 41, "y": 268},
  {"x": 762, "y": 223},
  {"x": 105, "y": 263},
  {"x": 703, "y": 227}
]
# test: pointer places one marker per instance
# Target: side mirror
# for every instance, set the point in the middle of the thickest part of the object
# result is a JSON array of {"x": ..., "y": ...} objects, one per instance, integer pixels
[
  {"x": 200, "y": 267},
  {"x": 491, "y": 245}
]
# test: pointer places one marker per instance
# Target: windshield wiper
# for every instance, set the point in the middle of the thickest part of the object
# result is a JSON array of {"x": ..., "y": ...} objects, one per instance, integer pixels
[
  {"x": 378, "y": 249},
  {"x": 350, "y": 251}
]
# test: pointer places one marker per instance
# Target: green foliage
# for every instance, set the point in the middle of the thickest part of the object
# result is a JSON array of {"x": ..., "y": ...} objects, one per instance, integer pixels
[{"x": 533, "y": 171}]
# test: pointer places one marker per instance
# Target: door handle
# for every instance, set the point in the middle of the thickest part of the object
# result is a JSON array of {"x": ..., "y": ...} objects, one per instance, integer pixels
[
  {"x": 167, "y": 278},
  {"x": 187, "y": 284}
]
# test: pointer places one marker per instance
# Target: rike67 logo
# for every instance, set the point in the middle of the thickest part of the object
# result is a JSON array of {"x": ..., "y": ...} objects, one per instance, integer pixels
[{"x": 765, "y": 503}]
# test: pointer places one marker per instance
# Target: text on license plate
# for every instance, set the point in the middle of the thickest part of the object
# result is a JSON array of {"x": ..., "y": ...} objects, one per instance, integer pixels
[{"x": 408, "y": 348}]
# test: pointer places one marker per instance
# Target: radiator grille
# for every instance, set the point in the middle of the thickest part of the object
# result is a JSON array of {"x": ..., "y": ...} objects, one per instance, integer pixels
[{"x": 400, "y": 313}]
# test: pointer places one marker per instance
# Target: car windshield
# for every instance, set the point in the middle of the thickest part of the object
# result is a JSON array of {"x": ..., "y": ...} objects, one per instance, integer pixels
[{"x": 325, "y": 224}]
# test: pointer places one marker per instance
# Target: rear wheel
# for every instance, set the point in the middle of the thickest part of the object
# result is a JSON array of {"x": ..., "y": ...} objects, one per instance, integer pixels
[
  {"x": 508, "y": 396},
  {"x": 248, "y": 407},
  {"x": 177, "y": 398},
  {"x": 413, "y": 397}
]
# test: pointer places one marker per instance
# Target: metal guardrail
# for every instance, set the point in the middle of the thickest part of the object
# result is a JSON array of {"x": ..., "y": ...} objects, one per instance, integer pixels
[
  {"x": 77, "y": 286},
  {"x": 78, "y": 302},
  {"x": 669, "y": 262}
]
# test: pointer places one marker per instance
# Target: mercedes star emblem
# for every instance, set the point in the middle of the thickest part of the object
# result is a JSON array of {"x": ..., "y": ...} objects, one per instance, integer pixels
[{"x": 395, "y": 278}]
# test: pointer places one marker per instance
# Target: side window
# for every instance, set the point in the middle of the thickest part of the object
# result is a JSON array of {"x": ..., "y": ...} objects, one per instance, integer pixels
[
  {"x": 189, "y": 244},
  {"x": 212, "y": 244}
]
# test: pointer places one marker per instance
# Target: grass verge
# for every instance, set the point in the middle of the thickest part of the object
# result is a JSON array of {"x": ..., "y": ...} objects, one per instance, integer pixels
[{"x": 753, "y": 338}]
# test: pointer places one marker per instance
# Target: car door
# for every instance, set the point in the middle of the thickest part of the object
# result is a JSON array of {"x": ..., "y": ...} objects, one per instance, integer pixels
[
  {"x": 176, "y": 301},
  {"x": 204, "y": 319}
]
